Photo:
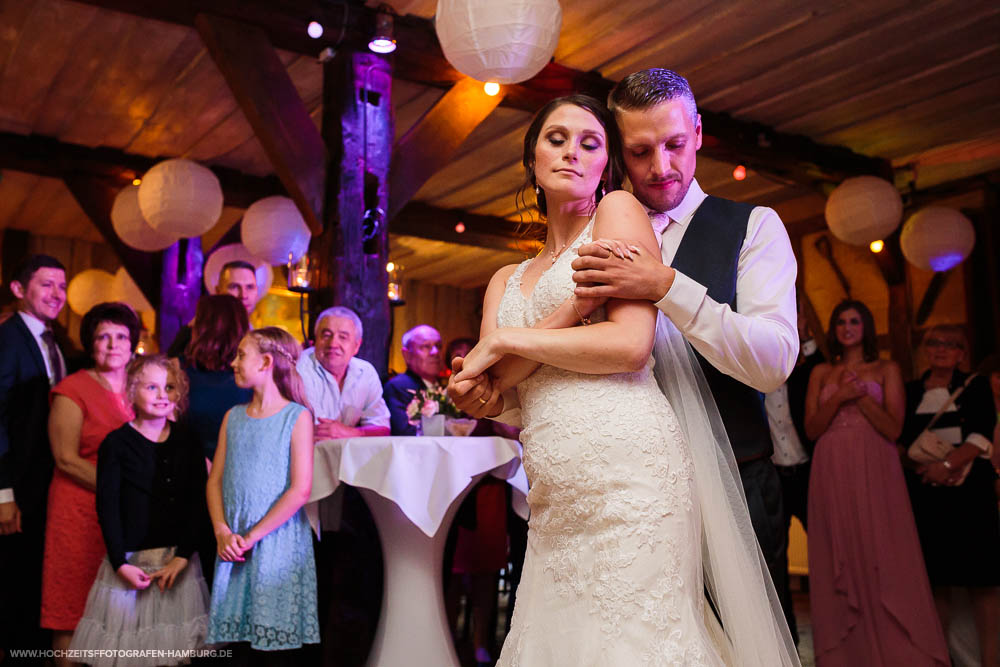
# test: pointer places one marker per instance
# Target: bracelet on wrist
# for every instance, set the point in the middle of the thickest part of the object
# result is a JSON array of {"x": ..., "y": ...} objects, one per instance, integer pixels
[
  {"x": 583, "y": 320},
  {"x": 947, "y": 464}
]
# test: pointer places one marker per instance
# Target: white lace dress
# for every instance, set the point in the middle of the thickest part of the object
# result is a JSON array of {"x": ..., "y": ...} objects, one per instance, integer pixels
[{"x": 612, "y": 574}]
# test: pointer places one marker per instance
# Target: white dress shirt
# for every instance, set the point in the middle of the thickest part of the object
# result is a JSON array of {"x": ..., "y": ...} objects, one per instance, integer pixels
[
  {"x": 759, "y": 344},
  {"x": 37, "y": 328},
  {"x": 359, "y": 403}
]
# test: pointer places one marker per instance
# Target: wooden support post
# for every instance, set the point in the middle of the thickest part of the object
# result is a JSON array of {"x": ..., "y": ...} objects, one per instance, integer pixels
[
  {"x": 272, "y": 106},
  {"x": 357, "y": 126},
  {"x": 96, "y": 196},
  {"x": 183, "y": 263},
  {"x": 431, "y": 142}
]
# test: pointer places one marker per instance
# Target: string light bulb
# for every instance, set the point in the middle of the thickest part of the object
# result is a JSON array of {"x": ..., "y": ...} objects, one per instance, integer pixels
[
  {"x": 136, "y": 181},
  {"x": 460, "y": 227},
  {"x": 315, "y": 29},
  {"x": 740, "y": 172},
  {"x": 876, "y": 246},
  {"x": 491, "y": 88},
  {"x": 390, "y": 267}
]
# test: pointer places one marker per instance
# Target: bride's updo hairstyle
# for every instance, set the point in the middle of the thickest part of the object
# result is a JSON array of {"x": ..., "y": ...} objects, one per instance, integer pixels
[{"x": 614, "y": 173}]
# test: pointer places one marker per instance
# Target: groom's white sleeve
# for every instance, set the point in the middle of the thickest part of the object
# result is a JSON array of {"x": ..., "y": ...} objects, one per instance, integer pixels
[
  {"x": 511, "y": 414},
  {"x": 759, "y": 344}
]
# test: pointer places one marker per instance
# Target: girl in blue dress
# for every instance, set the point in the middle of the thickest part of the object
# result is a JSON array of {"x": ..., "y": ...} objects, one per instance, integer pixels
[{"x": 264, "y": 590}]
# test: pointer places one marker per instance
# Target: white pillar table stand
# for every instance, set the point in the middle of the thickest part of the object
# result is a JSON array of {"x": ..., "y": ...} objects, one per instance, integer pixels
[{"x": 413, "y": 487}]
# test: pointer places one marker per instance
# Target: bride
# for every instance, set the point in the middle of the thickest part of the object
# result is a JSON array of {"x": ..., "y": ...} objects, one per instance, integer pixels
[{"x": 630, "y": 526}]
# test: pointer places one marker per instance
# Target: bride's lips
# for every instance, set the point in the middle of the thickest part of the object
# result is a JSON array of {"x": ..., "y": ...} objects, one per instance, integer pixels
[{"x": 568, "y": 171}]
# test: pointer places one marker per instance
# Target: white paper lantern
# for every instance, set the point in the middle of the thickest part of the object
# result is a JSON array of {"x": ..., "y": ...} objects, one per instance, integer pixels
[
  {"x": 506, "y": 42},
  {"x": 89, "y": 288},
  {"x": 937, "y": 238},
  {"x": 272, "y": 228},
  {"x": 231, "y": 253},
  {"x": 125, "y": 290},
  {"x": 132, "y": 228},
  {"x": 181, "y": 198},
  {"x": 864, "y": 209}
]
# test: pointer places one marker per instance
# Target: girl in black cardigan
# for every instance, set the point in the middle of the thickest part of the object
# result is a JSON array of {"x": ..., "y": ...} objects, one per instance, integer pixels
[{"x": 149, "y": 592}]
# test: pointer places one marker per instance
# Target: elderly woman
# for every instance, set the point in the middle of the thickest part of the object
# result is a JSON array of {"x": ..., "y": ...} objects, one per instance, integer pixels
[
  {"x": 954, "y": 500},
  {"x": 86, "y": 406}
]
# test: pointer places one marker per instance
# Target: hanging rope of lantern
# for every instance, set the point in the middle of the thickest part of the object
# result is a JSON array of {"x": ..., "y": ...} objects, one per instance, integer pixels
[{"x": 504, "y": 42}]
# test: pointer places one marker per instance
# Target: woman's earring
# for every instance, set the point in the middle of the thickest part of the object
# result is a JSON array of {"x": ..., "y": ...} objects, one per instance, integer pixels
[{"x": 538, "y": 191}]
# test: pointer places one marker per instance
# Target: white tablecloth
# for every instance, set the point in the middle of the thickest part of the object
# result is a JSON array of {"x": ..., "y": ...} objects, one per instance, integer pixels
[{"x": 422, "y": 475}]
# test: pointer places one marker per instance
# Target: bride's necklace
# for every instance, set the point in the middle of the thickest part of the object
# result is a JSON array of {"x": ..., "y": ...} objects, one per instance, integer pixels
[{"x": 554, "y": 254}]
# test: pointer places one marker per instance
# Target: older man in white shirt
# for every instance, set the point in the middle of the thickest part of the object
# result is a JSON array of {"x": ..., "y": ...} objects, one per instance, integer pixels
[{"x": 345, "y": 392}]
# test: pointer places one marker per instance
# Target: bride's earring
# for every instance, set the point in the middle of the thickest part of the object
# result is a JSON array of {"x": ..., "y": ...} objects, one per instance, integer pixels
[{"x": 538, "y": 191}]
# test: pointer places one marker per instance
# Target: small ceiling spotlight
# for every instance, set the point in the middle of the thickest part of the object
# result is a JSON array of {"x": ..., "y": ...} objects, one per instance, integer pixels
[
  {"x": 740, "y": 172},
  {"x": 460, "y": 227},
  {"x": 491, "y": 88},
  {"x": 137, "y": 181},
  {"x": 315, "y": 29},
  {"x": 876, "y": 246},
  {"x": 384, "y": 41}
]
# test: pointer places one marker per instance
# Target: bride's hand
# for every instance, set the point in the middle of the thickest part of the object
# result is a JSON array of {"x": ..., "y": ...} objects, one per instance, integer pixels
[{"x": 487, "y": 352}]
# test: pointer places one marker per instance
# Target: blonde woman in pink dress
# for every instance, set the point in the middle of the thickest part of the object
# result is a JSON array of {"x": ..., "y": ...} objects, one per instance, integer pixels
[{"x": 871, "y": 600}]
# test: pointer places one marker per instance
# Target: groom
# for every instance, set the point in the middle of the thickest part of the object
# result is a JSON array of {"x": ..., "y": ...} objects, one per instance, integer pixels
[{"x": 726, "y": 281}]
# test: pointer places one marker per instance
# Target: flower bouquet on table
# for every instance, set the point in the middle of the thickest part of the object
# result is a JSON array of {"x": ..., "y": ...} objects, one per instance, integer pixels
[{"x": 433, "y": 412}]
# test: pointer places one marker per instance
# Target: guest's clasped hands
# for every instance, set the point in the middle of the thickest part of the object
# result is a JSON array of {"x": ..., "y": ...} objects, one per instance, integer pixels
[
  {"x": 137, "y": 578},
  {"x": 232, "y": 546}
]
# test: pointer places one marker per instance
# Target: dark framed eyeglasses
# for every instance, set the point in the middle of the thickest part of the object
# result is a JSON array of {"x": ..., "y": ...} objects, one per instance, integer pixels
[{"x": 947, "y": 344}]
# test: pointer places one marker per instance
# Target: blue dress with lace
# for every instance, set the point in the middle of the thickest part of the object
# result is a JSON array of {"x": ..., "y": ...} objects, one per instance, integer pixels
[{"x": 269, "y": 599}]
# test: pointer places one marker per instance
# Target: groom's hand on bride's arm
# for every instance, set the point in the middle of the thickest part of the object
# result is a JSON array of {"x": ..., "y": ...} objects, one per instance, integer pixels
[
  {"x": 477, "y": 396},
  {"x": 611, "y": 268}
]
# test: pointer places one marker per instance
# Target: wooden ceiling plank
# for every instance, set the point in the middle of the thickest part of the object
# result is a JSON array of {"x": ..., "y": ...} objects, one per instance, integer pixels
[
  {"x": 146, "y": 67},
  {"x": 875, "y": 102},
  {"x": 272, "y": 105},
  {"x": 433, "y": 140},
  {"x": 46, "y": 41},
  {"x": 428, "y": 222},
  {"x": 13, "y": 17},
  {"x": 96, "y": 197}
]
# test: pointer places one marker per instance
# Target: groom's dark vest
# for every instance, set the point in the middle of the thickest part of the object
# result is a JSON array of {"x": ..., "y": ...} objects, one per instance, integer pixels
[{"x": 709, "y": 253}]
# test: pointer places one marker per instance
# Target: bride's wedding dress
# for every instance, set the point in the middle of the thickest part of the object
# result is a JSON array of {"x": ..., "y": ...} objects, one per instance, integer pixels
[{"x": 613, "y": 571}]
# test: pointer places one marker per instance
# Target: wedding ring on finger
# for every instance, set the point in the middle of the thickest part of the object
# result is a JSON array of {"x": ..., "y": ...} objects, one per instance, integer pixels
[{"x": 482, "y": 400}]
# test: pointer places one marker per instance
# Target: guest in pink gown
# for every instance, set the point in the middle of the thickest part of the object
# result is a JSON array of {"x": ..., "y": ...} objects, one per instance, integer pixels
[{"x": 871, "y": 600}]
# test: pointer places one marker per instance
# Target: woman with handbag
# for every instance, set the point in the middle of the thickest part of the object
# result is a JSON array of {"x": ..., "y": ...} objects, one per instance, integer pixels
[
  {"x": 949, "y": 424},
  {"x": 871, "y": 601}
]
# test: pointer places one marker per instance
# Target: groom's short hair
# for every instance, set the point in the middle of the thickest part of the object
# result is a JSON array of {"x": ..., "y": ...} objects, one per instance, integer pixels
[{"x": 647, "y": 88}]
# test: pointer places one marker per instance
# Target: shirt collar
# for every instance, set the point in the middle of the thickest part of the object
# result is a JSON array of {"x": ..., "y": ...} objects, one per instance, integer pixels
[
  {"x": 35, "y": 325},
  {"x": 683, "y": 212}
]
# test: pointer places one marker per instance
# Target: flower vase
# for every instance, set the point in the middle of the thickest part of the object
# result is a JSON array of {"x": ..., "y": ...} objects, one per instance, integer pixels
[{"x": 432, "y": 426}]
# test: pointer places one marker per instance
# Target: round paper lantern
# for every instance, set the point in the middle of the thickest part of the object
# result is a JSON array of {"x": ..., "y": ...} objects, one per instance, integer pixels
[
  {"x": 231, "y": 253},
  {"x": 506, "y": 42},
  {"x": 132, "y": 228},
  {"x": 272, "y": 228},
  {"x": 125, "y": 290},
  {"x": 89, "y": 288},
  {"x": 181, "y": 198},
  {"x": 937, "y": 238},
  {"x": 864, "y": 209}
]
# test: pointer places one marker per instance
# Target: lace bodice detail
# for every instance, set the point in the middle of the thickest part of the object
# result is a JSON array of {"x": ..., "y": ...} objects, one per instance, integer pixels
[{"x": 614, "y": 541}]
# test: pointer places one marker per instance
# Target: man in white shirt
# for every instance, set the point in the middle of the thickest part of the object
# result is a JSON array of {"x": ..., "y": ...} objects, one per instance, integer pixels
[
  {"x": 726, "y": 281},
  {"x": 344, "y": 391},
  {"x": 30, "y": 364}
]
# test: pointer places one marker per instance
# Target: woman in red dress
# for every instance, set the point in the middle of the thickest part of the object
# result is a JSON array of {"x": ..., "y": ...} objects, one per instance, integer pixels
[{"x": 86, "y": 406}]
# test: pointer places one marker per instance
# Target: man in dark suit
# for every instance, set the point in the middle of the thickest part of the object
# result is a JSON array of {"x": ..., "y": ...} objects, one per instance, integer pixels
[
  {"x": 422, "y": 354},
  {"x": 30, "y": 363}
]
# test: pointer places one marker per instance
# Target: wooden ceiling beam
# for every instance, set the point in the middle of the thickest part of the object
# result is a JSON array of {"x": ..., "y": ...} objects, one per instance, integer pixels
[
  {"x": 96, "y": 196},
  {"x": 434, "y": 139},
  {"x": 419, "y": 59},
  {"x": 264, "y": 91},
  {"x": 484, "y": 231},
  {"x": 46, "y": 156}
]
